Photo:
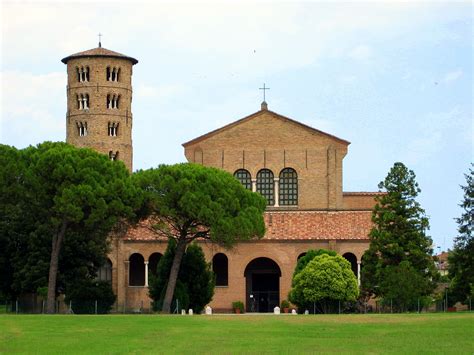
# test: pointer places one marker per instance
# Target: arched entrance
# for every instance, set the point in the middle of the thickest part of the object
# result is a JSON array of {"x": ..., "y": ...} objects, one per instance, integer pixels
[
  {"x": 353, "y": 260},
  {"x": 262, "y": 285}
]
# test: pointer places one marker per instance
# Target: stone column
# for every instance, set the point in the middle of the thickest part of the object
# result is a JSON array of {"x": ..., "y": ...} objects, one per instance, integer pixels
[
  {"x": 358, "y": 273},
  {"x": 146, "y": 273},
  {"x": 254, "y": 185},
  {"x": 277, "y": 191}
]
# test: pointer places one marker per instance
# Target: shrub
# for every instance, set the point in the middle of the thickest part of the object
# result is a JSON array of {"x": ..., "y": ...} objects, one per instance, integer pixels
[
  {"x": 285, "y": 304},
  {"x": 84, "y": 294},
  {"x": 238, "y": 305}
]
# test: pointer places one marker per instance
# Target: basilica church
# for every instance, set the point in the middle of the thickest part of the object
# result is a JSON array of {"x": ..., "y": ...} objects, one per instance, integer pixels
[{"x": 297, "y": 168}]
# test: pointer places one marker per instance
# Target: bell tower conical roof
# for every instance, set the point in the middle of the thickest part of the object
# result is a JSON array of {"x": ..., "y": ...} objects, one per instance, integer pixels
[{"x": 99, "y": 52}]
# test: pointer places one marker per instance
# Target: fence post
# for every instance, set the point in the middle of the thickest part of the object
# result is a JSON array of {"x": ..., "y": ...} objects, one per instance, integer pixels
[
  {"x": 418, "y": 305},
  {"x": 95, "y": 306},
  {"x": 391, "y": 305}
]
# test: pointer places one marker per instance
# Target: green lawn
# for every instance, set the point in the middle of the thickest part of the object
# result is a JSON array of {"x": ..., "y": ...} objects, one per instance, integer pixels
[{"x": 411, "y": 333}]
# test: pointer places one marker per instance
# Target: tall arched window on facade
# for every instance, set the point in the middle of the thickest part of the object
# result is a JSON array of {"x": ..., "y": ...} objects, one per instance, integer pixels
[
  {"x": 244, "y": 177},
  {"x": 137, "y": 270},
  {"x": 220, "y": 266},
  {"x": 288, "y": 193},
  {"x": 265, "y": 185},
  {"x": 105, "y": 272}
]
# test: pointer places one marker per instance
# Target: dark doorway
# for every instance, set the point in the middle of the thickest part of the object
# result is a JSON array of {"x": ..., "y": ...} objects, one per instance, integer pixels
[
  {"x": 262, "y": 279},
  {"x": 353, "y": 260},
  {"x": 137, "y": 270}
]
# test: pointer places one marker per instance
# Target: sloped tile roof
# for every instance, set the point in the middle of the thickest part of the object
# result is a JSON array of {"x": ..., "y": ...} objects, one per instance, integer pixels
[
  {"x": 296, "y": 225},
  {"x": 99, "y": 52},
  {"x": 256, "y": 114}
]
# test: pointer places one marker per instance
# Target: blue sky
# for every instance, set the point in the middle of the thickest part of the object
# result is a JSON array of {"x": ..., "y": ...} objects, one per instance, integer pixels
[{"x": 394, "y": 78}]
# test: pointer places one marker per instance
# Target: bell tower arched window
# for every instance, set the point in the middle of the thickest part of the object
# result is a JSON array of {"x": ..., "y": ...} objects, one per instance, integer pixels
[
  {"x": 266, "y": 185},
  {"x": 113, "y": 74},
  {"x": 288, "y": 192},
  {"x": 113, "y": 129},
  {"x": 244, "y": 177},
  {"x": 113, "y": 101},
  {"x": 82, "y": 101},
  {"x": 82, "y": 74},
  {"x": 113, "y": 155},
  {"x": 81, "y": 128}
]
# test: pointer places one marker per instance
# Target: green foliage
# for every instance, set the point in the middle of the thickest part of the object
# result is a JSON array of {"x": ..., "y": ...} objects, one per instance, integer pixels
[
  {"x": 186, "y": 202},
  {"x": 238, "y": 305},
  {"x": 324, "y": 279},
  {"x": 51, "y": 185},
  {"x": 285, "y": 304},
  {"x": 195, "y": 284},
  {"x": 461, "y": 258},
  {"x": 398, "y": 236},
  {"x": 404, "y": 287},
  {"x": 202, "y": 202},
  {"x": 310, "y": 255},
  {"x": 84, "y": 294}
]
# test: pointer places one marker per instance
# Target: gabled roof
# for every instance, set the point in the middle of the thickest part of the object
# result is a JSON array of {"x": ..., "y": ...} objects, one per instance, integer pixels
[
  {"x": 99, "y": 52},
  {"x": 256, "y": 114}
]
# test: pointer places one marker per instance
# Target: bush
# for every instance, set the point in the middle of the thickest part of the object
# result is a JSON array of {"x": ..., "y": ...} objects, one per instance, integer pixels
[
  {"x": 325, "y": 280},
  {"x": 238, "y": 305},
  {"x": 83, "y": 296}
]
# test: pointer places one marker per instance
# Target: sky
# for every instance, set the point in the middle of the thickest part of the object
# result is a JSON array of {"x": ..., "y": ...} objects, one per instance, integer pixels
[{"x": 393, "y": 78}]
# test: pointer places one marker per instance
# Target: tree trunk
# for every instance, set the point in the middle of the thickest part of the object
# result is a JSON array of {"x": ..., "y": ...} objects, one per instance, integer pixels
[
  {"x": 53, "y": 267},
  {"x": 178, "y": 256}
]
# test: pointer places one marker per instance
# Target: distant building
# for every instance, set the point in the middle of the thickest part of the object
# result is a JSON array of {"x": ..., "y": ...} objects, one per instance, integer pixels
[
  {"x": 297, "y": 168},
  {"x": 441, "y": 262}
]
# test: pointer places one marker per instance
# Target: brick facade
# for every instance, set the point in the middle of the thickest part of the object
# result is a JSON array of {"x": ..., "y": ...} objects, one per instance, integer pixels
[{"x": 323, "y": 217}]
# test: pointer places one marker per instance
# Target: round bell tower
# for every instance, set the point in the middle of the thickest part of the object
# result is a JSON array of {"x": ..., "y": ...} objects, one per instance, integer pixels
[{"x": 99, "y": 102}]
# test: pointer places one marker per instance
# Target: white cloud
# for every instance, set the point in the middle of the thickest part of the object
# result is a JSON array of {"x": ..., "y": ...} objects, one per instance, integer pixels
[
  {"x": 361, "y": 52},
  {"x": 435, "y": 130},
  {"x": 33, "y": 107},
  {"x": 452, "y": 76}
]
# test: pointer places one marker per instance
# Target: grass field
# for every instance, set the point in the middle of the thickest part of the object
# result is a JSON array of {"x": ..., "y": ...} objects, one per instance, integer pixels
[{"x": 378, "y": 333}]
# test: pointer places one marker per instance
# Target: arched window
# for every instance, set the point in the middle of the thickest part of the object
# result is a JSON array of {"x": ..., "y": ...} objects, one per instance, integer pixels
[
  {"x": 220, "y": 266},
  {"x": 136, "y": 275},
  {"x": 301, "y": 255},
  {"x": 288, "y": 187},
  {"x": 113, "y": 129},
  {"x": 105, "y": 272},
  {"x": 82, "y": 128},
  {"x": 265, "y": 185},
  {"x": 244, "y": 177},
  {"x": 113, "y": 155},
  {"x": 153, "y": 261}
]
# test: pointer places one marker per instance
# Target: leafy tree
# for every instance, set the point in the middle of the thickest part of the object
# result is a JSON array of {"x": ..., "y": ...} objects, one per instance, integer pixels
[
  {"x": 71, "y": 199},
  {"x": 398, "y": 235},
  {"x": 461, "y": 258},
  {"x": 186, "y": 202},
  {"x": 324, "y": 279},
  {"x": 11, "y": 189},
  {"x": 195, "y": 284},
  {"x": 310, "y": 255},
  {"x": 404, "y": 286}
]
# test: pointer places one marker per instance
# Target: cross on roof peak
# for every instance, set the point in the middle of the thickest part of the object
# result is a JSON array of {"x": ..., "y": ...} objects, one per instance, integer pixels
[{"x": 264, "y": 89}]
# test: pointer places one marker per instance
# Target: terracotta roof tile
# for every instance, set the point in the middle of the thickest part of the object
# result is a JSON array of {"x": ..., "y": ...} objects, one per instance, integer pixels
[{"x": 296, "y": 225}]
